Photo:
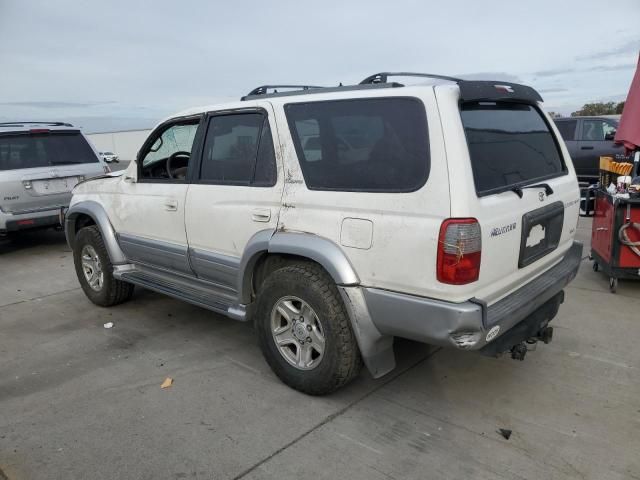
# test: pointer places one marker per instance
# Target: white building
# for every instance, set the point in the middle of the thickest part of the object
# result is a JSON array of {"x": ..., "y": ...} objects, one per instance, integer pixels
[{"x": 124, "y": 143}]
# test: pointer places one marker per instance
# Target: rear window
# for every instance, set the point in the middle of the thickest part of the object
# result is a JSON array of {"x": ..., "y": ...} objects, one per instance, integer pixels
[
  {"x": 44, "y": 150},
  {"x": 509, "y": 144},
  {"x": 364, "y": 145}
]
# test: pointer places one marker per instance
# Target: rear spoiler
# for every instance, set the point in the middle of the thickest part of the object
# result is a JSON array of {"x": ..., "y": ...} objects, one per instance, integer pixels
[
  {"x": 494, "y": 91},
  {"x": 470, "y": 90}
]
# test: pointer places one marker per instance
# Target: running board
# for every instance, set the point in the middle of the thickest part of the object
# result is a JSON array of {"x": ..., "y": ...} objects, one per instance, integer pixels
[{"x": 193, "y": 291}]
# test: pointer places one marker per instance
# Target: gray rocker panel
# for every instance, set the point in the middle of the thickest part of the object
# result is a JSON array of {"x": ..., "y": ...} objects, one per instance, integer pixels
[
  {"x": 170, "y": 256},
  {"x": 217, "y": 268}
]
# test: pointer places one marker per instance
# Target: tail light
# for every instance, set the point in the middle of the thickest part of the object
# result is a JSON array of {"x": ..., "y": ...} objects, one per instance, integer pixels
[{"x": 459, "y": 251}]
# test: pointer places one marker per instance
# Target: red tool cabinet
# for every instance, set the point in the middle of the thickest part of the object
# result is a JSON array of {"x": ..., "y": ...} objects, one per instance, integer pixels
[{"x": 608, "y": 253}]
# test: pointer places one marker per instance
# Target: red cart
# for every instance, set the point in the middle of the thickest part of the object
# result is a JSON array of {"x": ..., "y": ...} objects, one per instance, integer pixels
[{"x": 615, "y": 237}]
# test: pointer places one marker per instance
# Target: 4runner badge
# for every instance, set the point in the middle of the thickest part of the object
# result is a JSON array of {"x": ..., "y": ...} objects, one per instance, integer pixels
[{"x": 500, "y": 230}]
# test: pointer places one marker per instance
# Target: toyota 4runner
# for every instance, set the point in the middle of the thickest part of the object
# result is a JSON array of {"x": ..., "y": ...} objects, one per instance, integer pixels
[{"x": 336, "y": 219}]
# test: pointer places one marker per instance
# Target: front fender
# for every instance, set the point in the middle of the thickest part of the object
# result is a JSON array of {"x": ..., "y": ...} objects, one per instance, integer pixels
[{"x": 99, "y": 215}]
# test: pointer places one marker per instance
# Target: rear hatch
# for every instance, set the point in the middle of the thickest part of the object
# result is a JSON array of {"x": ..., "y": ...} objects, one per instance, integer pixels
[
  {"x": 40, "y": 167},
  {"x": 521, "y": 188}
]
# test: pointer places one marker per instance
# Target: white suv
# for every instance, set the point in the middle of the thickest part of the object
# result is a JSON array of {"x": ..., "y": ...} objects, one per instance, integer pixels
[{"x": 336, "y": 219}]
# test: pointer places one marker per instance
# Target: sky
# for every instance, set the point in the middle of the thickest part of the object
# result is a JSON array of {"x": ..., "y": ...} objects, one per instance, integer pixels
[{"x": 116, "y": 65}]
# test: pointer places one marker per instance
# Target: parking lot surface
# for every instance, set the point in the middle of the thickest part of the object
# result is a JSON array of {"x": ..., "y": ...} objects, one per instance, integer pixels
[{"x": 78, "y": 401}]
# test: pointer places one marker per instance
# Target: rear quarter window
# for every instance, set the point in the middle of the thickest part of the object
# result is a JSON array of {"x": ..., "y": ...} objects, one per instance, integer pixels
[
  {"x": 362, "y": 145},
  {"x": 510, "y": 144}
]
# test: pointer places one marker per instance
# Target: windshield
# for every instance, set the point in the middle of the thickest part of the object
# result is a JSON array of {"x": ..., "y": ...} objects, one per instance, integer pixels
[
  {"x": 27, "y": 150},
  {"x": 509, "y": 144}
]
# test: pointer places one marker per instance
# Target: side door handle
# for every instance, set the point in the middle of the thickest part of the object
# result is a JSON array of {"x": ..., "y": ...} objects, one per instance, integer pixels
[
  {"x": 171, "y": 205},
  {"x": 261, "y": 215},
  {"x": 586, "y": 148}
]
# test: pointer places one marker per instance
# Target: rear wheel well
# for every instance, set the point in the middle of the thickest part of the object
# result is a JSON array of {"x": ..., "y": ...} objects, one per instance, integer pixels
[{"x": 269, "y": 263}]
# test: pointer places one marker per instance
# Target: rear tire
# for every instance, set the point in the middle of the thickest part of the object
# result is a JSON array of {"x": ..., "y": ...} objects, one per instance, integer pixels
[
  {"x": 95, "y": 271},
  {"x": 297, "y": 299}
]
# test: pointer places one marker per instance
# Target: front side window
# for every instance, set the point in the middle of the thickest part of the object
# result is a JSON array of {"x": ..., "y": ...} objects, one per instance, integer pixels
[
  {"x": 169, "y": 155},
  {"x": 597, "y": 130},
  {"x": 365, "y": 145},
  {"x": 509, "y": 144},
  {"x": 238, "y": 150}
]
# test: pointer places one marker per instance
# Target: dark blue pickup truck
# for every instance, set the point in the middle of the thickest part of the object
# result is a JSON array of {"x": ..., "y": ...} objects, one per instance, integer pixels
[{"x": 587, "y": 139}]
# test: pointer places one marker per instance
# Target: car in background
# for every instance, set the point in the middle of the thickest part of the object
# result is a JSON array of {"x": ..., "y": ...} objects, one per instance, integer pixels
[
  {"x": 587, "y": 139},
  {"x": 109, "y": 157},
  {"x": 40, "y": 163}
]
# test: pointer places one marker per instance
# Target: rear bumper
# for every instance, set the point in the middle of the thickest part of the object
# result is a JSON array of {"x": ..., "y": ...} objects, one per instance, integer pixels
[
  {"x": 472, "y": 325},
  {"x": 28, "y": 220}
]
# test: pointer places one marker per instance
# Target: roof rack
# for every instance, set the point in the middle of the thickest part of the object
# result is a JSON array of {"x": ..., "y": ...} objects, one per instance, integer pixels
[
  {"x": 383, "y": 76},
  {"x": 263, "y": 89},
  {"x": 22, "y": 124}
]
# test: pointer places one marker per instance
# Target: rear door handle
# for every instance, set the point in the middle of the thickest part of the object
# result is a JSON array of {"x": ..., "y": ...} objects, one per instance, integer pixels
[
  {"x": 171, "y": 205},
  {"x": 261, "y": 215},
  {"x": 586, "y": 148}
]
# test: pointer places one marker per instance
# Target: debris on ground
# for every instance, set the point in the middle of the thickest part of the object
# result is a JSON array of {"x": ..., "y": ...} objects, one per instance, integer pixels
[
  {"x": 167, "y": 382},
  {"x": 505, "y": 433},
  {"x": 108, "y": 325}
]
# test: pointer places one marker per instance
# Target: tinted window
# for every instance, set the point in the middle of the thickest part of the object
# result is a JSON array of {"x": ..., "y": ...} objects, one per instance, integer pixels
[
  {"x": 239, "y": 150},
  {"x": 372, "y": 145},
  {"x": 597, "y": 130},
  {"x": 567, "y": 129},
  {"x": 509, "y": 144},
  {"x": 44, "y": 150}
]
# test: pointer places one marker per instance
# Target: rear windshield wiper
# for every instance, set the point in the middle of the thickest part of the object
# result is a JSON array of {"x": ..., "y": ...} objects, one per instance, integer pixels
[{"x": 547, "y": 189}]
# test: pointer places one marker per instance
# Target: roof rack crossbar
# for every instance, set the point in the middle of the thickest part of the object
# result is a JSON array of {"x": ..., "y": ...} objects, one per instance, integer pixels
[
  {"x": 262, "y": 90},
  {"x": 383, "y": 76},
  {"x": 51, "y": 124}
]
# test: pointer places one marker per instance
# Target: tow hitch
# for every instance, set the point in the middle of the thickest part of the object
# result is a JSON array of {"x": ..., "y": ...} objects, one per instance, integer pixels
[{"x": 519, "y": 351}]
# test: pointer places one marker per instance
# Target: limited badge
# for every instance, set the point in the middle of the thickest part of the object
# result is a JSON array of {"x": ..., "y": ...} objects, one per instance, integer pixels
[{"x": 493, "y": 333}]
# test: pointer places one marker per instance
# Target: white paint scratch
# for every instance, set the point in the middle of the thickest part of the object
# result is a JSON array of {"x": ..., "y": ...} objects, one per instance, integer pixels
[
  {"x": 599, "y": 359},
  {"x": 363, "y": 445}
]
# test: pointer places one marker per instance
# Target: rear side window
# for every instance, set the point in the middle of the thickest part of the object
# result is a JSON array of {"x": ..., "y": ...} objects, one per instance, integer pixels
[
  {"x": 567, "y": 129},
  {"x": 366, "y": 145},
  {"x": 33, "y": 150},
  {"x": 509, "y": 144}
]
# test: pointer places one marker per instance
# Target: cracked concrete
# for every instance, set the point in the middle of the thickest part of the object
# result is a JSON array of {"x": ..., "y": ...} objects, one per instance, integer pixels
[{"x": 80, "y": 401}]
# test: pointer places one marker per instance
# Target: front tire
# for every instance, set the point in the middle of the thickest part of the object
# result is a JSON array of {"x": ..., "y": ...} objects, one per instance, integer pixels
[
  {"x": 304, "y": 330},
  {"x": 95, "y": 271}
]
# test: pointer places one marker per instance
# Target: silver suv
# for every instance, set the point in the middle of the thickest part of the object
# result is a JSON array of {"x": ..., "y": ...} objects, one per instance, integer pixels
[{"x": 40, "y": 163}]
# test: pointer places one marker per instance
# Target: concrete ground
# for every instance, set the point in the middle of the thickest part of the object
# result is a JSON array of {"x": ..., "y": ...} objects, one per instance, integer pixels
[{"x": 78, "y": 401}]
